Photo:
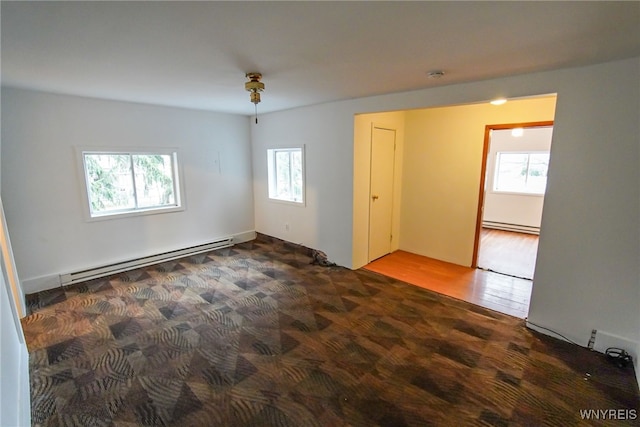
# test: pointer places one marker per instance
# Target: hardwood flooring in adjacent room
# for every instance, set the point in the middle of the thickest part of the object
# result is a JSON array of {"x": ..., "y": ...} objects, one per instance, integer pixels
[
  {"x": 509, "y": 295},
  {"x": 508, "y": 252}
]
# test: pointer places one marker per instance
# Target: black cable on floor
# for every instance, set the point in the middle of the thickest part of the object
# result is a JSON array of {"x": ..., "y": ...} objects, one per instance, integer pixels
[
  {"x": 554, "y": 332},
  {"x": 619, "y": 356},
  {"x": 504, "y": 274}
]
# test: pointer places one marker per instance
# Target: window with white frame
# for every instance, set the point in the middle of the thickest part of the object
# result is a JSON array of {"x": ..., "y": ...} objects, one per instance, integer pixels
[
  {"x": 131, "y": 182},
  {"x": 521, "y": 172},
  {"x": 285, "y": 170}
]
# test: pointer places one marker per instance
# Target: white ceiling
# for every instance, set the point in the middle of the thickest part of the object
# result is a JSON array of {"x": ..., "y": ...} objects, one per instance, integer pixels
[{"x": 196, "y": 54}]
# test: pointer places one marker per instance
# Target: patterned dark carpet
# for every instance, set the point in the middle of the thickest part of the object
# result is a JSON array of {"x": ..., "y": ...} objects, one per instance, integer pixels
[{"x": 256, "y": 336}]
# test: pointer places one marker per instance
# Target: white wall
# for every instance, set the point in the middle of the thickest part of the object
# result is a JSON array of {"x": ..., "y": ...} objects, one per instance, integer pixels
[
  {"x": 15, "y": 398},
  {"x": 587, "y": 274},
  {"x": 42, "y": 192},
  {"x": 509, "y": 208},
  {"x": 324, "y": 223}
]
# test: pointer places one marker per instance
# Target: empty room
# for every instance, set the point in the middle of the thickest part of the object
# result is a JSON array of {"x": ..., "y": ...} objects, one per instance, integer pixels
[{"x": 193, "y": 194}]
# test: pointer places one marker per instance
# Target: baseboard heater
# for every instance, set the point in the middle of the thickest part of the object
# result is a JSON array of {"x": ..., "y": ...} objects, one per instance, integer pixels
[
  {"x": 119, "y": 267},
  {"x": 511, "y": 227}
]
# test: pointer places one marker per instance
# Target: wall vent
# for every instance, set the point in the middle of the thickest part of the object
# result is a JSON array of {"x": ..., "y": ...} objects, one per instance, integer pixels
[{"x": 119, "y": 267}]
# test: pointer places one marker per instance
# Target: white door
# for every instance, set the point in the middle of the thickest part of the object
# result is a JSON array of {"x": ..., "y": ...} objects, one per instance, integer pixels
[{"x": 383, "y": 143}]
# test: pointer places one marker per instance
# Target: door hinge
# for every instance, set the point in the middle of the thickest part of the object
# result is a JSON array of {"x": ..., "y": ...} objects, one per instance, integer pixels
[{"x": 391, "y": 237}]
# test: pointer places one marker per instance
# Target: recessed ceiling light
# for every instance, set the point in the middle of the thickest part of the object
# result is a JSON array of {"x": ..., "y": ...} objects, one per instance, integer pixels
[
  {"x": 435, "y": 74},
  {"x": 498, "y": 101}
]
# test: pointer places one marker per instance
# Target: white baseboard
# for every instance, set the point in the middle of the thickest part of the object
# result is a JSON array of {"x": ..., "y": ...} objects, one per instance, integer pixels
[
  {"x": 42, "y": 283},
  {"x": 245, "y": 236},
  {"x": 543, "y": 330},
  {"x": 51, "y": 281}
]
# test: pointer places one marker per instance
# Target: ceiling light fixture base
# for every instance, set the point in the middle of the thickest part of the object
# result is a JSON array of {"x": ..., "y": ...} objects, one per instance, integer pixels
[{"x": 254, "y": 86}]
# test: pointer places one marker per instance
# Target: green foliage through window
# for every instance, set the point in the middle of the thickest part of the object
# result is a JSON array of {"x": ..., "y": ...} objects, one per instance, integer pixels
[
  {"x": 285, "y": 168},
  {"x": 126, "y": 182}
]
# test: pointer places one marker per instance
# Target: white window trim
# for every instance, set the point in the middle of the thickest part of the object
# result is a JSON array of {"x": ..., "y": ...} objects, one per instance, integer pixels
[
  {"x": 271, "y": 166},
  {"x": 177, "y": 176}
]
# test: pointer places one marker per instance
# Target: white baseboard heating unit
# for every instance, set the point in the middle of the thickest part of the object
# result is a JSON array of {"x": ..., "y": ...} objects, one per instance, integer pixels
[
  {"x": 119, "y": 267},
  {"x": 511, "y": 227}
]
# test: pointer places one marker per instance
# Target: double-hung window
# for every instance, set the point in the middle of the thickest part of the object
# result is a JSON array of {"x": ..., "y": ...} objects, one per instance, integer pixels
[
  {"x": 120, "y": 182},
  {"x": 285, "y": 170},
  {"x": 521, "y": 172}
]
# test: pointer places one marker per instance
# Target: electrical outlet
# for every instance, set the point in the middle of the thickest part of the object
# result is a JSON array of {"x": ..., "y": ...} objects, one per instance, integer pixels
[{"x": 592, "y": 339}]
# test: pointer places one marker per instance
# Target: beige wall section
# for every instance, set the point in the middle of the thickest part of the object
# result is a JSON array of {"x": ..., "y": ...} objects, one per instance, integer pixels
[
  {"x": 441, "y": 173},
  {"x": 363, "y": 124}
]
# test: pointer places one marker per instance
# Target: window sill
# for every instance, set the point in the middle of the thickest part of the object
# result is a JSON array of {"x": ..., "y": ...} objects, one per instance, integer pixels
[
  {"x": 287, "y": 202},
  {"x": 139, "y": 212},
  {"x": 515, "y": 193}
]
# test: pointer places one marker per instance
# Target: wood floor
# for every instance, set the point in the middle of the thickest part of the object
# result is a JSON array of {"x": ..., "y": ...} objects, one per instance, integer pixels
[
  {"x": 508, "y": 252},
  {"x": 499, "y": 292}
]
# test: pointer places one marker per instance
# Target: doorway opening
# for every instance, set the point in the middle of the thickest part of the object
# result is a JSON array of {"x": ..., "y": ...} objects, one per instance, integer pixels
[
  {"x": 437, "y": 171},
  {"x": 511, "y": 199}
]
